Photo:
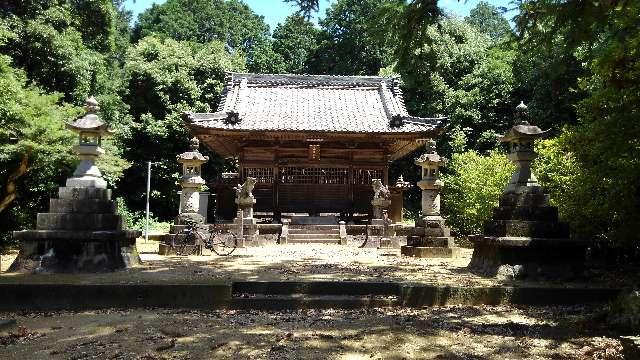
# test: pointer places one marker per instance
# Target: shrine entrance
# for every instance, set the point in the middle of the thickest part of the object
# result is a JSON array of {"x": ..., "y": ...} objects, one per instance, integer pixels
[{"x": 314, "y": 189}]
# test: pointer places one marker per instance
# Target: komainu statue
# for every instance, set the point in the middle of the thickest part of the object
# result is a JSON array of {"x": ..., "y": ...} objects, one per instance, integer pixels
[
  {"x": 245, "y": 198},
  {"x": 381, "y": 198}
]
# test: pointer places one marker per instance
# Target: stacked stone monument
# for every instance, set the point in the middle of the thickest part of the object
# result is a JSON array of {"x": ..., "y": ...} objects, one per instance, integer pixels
[
  {"x": 524, "y": 237},
  {"x": 82, "y": 231},
  {"x": 191, "y": 184},
  {"x": 430, "y": 236}
]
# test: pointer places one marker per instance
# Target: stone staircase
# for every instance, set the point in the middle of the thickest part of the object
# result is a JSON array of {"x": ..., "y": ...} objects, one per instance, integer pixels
[
  {"x": 314, "y": 234},
  {"x": 313, "y": 295}
]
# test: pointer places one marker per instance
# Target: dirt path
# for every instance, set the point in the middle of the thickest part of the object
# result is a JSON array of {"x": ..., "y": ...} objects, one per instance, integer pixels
[{"x": 431, "y": 333}]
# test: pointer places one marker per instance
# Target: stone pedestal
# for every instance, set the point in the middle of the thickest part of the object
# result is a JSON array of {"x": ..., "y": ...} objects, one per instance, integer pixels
[
  {"x": 524, "y": 237},
  {"x": 81, "y": 233}
]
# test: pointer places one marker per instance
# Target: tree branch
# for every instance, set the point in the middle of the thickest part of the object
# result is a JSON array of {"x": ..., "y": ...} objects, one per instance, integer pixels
[{"x": 11, "y": 189}]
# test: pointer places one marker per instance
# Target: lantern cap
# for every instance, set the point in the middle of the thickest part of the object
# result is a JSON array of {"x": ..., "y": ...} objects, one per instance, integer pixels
[
  {"x": 430, "y": 155},
  {"x": 90, "y": 121},
  {"x": 523, "y": 130},
  {"x": 193, "y": 154}
]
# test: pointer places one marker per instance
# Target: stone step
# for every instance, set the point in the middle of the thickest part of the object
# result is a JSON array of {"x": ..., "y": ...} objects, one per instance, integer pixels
[
  {"x": 313, "y": 231},
  {"x": 314, "y": 236},
  {"x": 78, "y": 221},
  {"x": 302, "y": 301},
  {"x": 539, "y": 213},
  {"x": 524, "y": 228},
  {"x": 313, "y": 241},
  {"x": 95, "y": 206},
  {"x": 314, "y": 227},
  {"x": 350, "y": 288}
]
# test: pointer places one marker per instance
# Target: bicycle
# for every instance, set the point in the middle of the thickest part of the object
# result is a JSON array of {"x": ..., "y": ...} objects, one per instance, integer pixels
[{"x": 220, "y": 242}]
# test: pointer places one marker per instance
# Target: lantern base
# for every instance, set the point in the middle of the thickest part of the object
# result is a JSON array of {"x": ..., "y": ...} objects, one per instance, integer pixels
[{"x": 87, "y": 182}]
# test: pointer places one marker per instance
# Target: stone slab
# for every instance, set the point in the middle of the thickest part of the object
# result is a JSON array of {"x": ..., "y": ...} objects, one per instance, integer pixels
[
  {"x": 537, "y": 258},
  {"x": 78, "y": 221},
  {"x": 84, "y": 193},
  {"x": 430, "y": 252},
  {"x": 56, "y": 296},
  {"x": 524, "y": 200},
  {"x": 68, "y": 235},
  {"x": 524, "y": 228},
  {"x": 541, "y": 213},
  {"x": 94, "y": 206},
  {"x": 430, "y": 241}
]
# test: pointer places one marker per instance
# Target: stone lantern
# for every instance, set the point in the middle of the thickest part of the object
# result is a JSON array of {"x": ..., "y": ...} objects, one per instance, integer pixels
[
  {"x": 191, "y": 184},
  {"x": 524, "y": 237},
  {"x": 430, "y": 183},
  {"x": 521, "y": 138},
  {"x": 90, "y": 130},
  {"x": 430, "y": 238},
  {"x": 82, "y": 232}
]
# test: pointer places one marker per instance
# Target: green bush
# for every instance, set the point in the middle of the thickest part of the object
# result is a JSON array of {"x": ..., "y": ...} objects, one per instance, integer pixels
[
  {"x": 135, "y": 220},
  {"x": 472, "y": 185}
]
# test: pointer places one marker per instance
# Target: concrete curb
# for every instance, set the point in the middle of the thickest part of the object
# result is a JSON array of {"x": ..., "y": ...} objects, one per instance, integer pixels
[
  {"x": 36, "y": 296},
  {"x": 282, "y": 295}
]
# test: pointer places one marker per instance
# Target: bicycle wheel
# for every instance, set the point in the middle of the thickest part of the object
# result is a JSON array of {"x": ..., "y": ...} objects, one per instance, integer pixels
[{"x": 224, "y": 244}]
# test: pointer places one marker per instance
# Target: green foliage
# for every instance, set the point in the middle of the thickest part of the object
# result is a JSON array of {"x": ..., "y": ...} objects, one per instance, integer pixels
[
  {"x": 472, "y": 185},
  {"x": 347, "y": 44},
  {"x": 489, "y": 20},
  {"x": 306, "y": 7},
  {"x": 136, "y": 220},
  {"x": 604, "y": 146},
  {"x": 295, "y": 42},
  {"x": 457, "y": 71},
  {"x": 230, "y": 22},
  {"x": 166, "y": 77},
  {"x": 32, "y": 134}
]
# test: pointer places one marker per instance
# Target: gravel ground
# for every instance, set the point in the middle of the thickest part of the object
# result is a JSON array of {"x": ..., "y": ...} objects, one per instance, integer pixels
[
  {"x": 303, "y": 262},
  {"x": 429, "y": 333}
]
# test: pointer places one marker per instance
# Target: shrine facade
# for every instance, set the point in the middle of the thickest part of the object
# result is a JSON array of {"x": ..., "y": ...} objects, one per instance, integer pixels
[{"x": 314, "y": 143}]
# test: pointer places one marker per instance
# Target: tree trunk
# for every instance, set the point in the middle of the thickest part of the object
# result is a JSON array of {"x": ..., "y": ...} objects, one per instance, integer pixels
[{"x": 10, "y": 187}]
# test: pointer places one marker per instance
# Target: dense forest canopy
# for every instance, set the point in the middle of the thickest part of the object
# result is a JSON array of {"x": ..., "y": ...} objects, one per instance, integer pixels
[{"x": 575, "y": 64}]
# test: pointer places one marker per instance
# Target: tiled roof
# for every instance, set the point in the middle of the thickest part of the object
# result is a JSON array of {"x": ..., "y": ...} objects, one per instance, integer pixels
[{"x": 364, "y": 104}]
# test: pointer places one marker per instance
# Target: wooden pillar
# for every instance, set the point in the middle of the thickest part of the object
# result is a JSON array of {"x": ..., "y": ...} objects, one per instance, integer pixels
[{"x": 276, "y": 180}]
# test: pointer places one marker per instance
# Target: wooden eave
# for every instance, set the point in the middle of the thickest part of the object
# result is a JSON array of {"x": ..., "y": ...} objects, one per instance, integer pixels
[{"x": 229, "y": 143}]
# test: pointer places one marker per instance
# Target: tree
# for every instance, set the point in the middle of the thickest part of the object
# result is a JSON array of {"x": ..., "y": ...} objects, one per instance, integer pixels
[
  {"x": 488, "y": 19},
  {"x": 34, "y": 146},
  {"x": 230, "y": 22},
  {"x": 348, "y": 44},
  {"x": 164, "y": 78},
  {"x": 295, "y": 41},
  {"x": 456, "y": 72},
  {"x": 603, "y": 36},
  {"x": 306, "y": 7}
]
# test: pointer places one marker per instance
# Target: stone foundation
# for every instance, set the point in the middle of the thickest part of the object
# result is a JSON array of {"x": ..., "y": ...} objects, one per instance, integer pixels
[
  {"x": 81, "y": 233},
  {"x": 430, "y": 252},
  {"x": 524, "y": 239},
  {"x": 516, "y": 258}
]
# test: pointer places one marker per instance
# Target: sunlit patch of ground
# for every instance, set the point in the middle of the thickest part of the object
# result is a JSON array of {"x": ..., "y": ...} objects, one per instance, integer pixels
[
  {"x": 487, "y": 332},
  {"x": 306, "y": 262}
]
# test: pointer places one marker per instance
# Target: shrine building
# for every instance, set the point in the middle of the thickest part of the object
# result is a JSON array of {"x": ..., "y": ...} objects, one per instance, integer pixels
[{"x": 313, "y": 142}]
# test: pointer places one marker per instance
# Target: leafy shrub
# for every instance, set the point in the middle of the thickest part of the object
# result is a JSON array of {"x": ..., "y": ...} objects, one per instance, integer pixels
[
  {"x": 472, "y": 186},
  {"x": 135, "y": 220}
]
